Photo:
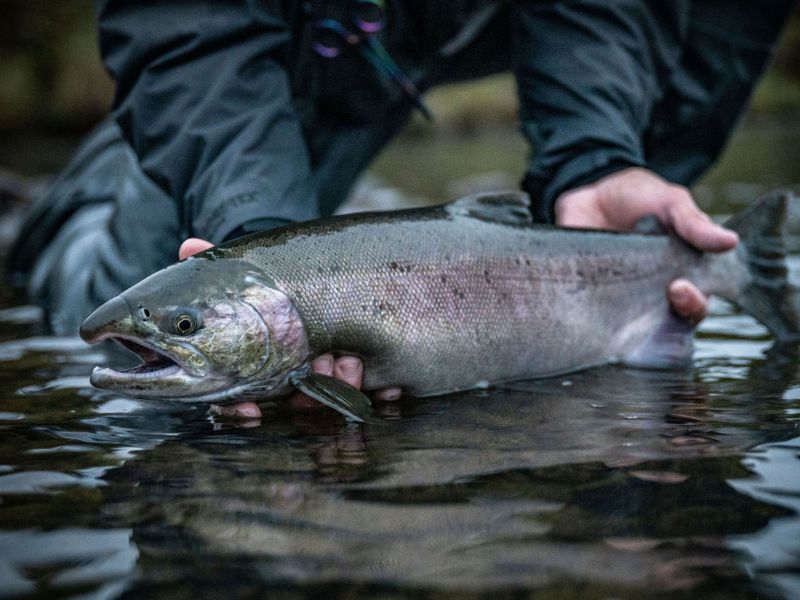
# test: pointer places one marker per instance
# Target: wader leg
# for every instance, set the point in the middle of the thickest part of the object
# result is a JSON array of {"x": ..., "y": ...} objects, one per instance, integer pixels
[{"x": 102, "y": 227}]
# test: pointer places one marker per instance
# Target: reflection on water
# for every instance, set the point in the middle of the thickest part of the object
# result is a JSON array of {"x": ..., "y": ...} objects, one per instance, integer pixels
[
  {"x": 69, "y": 560},
  {"x": 611, "y": 483},
  {"x": 772, "y": 552},
  {"x": 607, "y": 483}
]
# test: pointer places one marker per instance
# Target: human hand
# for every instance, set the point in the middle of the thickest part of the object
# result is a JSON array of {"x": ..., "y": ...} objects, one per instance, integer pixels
[
  {"x": 349, "y": 369},
  {"x": 619, "y": 200}
]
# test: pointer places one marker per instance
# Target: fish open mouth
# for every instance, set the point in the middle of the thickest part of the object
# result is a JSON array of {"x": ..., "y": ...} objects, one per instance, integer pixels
[
  {"x": 153, "y": 361},
  {"x": 157, "y": 370}
]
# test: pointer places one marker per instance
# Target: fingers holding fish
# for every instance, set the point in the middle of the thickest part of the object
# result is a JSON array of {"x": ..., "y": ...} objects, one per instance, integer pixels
[
  {"x": 687, "y": 301},
  {"x": 621, "y": 199},
  {"x": 323, "y": 364},
  {"x": 248, "y": 412},
  {"x": 618, "y": 201},
  {"x": 695, "y": 226},
  {"x": 388, "y": 394},
  {"x": 349, "y": 369},
  {"x": 192, "y": 246}
]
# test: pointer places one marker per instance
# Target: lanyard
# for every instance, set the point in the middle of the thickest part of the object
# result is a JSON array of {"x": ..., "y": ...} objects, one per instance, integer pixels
[{"x": 332, "y": 37}]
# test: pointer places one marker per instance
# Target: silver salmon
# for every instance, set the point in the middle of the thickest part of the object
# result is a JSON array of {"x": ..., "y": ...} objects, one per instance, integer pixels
[{"x": 433, "y": 300}]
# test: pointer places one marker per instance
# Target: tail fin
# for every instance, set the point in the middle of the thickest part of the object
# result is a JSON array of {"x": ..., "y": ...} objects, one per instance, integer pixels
[{"x": 768, "y": 297}]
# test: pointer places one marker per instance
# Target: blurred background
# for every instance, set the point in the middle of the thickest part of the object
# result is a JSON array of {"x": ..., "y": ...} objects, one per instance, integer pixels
[{"x": 53, "y": 89}]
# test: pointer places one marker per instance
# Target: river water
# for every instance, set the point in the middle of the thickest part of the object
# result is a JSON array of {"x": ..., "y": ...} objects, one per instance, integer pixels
[{"x": 611, "y": 483}]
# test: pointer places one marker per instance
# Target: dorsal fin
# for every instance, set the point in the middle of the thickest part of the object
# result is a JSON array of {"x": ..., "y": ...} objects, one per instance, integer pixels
[{"x": 502, "y": 207}]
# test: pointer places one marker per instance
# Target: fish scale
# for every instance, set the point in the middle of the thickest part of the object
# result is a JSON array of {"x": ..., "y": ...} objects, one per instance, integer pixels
[{"x": 427, "y": 297}]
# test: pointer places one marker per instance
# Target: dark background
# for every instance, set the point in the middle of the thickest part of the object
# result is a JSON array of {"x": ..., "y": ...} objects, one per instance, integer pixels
[{"x": 53, "y": 88}]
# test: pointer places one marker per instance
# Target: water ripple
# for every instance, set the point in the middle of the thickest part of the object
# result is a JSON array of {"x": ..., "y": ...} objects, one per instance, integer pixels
[{"x": 33, "y": 482}]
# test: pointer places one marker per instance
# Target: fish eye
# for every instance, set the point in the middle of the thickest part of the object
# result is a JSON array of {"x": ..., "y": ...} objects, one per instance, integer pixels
[
  {"x": 144, "y": 312},
  {"x": 185, "y": 324}
]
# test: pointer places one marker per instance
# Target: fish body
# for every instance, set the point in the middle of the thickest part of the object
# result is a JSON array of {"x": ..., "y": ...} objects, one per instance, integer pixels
[{"x": 432, "y": 300}]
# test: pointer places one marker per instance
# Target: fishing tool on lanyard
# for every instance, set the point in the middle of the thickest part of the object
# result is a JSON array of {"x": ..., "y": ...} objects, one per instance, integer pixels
[{"x": 332, "y": 37}]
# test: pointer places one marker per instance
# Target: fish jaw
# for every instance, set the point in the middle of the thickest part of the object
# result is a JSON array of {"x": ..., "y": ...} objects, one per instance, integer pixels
[
  {"x": 167, "y": 370},
  {"x": 171, "y": 382}
]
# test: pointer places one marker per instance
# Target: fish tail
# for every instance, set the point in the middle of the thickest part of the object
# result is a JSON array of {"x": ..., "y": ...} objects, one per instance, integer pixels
[{"x": 767, "y": 295}]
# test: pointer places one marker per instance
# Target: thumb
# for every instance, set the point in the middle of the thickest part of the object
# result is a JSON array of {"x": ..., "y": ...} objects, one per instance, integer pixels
[{"x": 695, "y": 226}]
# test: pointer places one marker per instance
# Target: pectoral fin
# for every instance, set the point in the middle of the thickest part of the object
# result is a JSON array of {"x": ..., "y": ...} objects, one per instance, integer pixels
[{"x": 335, "y": 394}]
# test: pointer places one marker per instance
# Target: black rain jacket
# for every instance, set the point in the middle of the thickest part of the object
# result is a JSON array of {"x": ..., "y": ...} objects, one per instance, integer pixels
[{"x": 221, "y": 99}]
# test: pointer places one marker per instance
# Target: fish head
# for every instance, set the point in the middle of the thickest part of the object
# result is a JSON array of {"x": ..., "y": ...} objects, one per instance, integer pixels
[{"x": 206, "y": 330}]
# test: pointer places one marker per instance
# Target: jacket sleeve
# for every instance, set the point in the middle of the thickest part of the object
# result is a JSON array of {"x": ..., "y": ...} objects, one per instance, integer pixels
[
  {"x": 589, "y": 73},
  {"x": 203, "y": 97},
  {"x": 728, "y": 44}
]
